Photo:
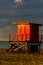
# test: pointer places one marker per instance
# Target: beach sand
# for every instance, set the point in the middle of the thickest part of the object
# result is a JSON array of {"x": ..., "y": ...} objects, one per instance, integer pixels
[{"x": 8, "y": 58}]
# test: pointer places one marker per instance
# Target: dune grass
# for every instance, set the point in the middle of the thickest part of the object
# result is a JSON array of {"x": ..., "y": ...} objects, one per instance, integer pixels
[{"x": 7, "y": 58}]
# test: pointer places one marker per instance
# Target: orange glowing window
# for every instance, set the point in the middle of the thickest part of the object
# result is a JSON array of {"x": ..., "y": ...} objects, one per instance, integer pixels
[{"x": 23, "y": 32}]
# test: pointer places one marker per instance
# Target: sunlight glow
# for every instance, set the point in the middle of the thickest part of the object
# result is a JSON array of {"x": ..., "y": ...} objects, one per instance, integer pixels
[
  {"x": 23, "y": 32},
  {"x": 18, "y": 1}
]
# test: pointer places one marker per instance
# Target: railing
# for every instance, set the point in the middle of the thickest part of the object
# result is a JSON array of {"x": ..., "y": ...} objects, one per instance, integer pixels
[
  {"x": 14, "y": 37},
  {"x": 40, "y": 38}
]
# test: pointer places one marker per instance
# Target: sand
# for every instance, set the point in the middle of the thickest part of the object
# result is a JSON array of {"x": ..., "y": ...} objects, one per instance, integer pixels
[{"x": 8, "y": 58}]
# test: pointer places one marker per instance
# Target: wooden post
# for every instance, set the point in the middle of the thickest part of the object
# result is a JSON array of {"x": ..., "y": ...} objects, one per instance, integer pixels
[
  {"x": 41, "y": 38},
  {"x": 12, "y": 37},
  {"x": 27, "y": 46},
  {"x": 39, "y": 47}
]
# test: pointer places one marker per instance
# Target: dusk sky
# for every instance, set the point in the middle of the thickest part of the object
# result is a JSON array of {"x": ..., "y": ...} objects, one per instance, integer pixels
[{"x": 19, "y": 10}]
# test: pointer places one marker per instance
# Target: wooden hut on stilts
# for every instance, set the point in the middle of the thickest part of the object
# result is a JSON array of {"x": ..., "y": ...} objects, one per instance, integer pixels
[{"x": 27, "y": 35}]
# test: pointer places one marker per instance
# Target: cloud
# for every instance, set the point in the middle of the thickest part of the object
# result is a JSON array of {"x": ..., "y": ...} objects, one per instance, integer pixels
[
  {"x": 17, "y": 3},
  {"x": 13, "y": 4}
]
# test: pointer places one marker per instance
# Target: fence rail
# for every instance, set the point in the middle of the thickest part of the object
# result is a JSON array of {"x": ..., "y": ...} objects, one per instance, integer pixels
[{"x": 15, "y": 37}]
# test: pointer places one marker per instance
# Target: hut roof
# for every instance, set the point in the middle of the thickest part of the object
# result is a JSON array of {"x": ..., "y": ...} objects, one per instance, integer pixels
[{"x": 26, "y": 23}]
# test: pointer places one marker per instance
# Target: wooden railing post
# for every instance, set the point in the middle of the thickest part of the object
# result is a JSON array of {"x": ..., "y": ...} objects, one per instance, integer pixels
[
  {"x": 12, "y": 37},
  {"x": 41, "y": 38}
]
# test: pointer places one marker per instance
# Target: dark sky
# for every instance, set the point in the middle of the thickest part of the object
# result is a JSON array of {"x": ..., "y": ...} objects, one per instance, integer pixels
[{"x": 19, "y": 10}]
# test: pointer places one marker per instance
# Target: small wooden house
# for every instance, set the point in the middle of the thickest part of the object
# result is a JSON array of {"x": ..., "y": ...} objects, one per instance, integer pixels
[{"x": 28, "y": 32}]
